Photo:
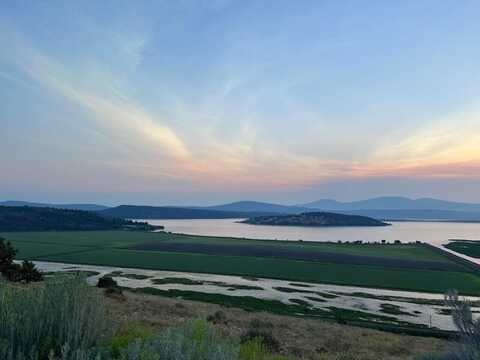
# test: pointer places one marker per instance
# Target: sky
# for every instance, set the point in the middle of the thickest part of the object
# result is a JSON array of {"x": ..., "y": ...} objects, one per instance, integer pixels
[{"x": 210, "y": 101}]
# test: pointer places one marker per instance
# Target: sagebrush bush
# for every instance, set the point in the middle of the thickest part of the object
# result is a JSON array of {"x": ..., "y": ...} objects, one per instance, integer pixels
[
  {"x": 195, "y": 340},
  {"x": 46, "y": 319},
  {"x": 256, "y": 349},
  {"x": 218, "y": 317},
  {"x": 126, "y": 337},
  {"x": 65, "y": 319},
  {"x": 264, "y": 336}
]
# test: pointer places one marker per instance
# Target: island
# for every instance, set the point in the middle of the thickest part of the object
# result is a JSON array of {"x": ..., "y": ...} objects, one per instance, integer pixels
[{"x": 315, "y": 219}]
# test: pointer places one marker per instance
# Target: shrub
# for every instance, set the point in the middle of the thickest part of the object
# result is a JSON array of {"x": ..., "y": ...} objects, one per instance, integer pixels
[
  {"x": 126, "y": 337},
  {"x": 29, "y": 272},
  {"x": 256, "y": 350},
  {"x": 195, "y": 340},
  {"x": 13, "y": 272},
  {"x": 265, "y": 337},
  {"x": 26, "y": 272},
  {"x": 468, "y": 347},
  {"x": 106, "y": 282},
  {"x": 218, "y": 317},
  {"x": 62, "y": 316}
]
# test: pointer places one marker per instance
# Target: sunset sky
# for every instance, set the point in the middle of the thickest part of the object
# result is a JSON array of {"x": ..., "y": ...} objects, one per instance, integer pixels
[{"x": 209, "y": 101}]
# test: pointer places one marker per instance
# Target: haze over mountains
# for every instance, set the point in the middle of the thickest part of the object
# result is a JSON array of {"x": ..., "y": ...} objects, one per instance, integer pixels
[{"x": 384, "y": 208}]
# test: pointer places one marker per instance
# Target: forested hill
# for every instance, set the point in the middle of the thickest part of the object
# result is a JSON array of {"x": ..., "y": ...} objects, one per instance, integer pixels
[
  {"x": 171, "y": 212},
  {"x": 316, "y": 219},
  {"x": 24, "y": 218}
]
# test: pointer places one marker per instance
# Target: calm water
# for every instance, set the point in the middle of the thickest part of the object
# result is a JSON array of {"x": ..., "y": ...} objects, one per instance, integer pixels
[{"x": 434, "y": 233}]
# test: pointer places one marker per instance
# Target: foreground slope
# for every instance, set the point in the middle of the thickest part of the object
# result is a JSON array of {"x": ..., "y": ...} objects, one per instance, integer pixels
[{"x": 300, "y": 338}]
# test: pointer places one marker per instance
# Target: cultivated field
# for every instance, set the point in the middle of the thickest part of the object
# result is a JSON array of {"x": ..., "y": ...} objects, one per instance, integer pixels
[
  {"x": 466, "y": 247},
  {"x": 407, "y": 267}
]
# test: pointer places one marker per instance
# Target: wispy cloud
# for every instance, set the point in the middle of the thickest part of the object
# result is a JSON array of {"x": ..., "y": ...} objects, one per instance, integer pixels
[
  {"x": 446, "y": 146},
  {"x": 228, "y": 136},
  {"x": 125, "y": 120}
]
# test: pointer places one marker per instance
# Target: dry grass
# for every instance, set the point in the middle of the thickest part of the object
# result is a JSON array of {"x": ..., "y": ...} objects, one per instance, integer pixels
[{"x": 301, "y": 338}]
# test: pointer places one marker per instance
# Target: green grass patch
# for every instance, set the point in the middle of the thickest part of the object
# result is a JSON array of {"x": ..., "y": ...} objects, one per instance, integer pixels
[
  {"x": 300, "y": 285},
  {"x": 242, "y": 287},
  {"x": 342, "y": 274},
  {"x": 108, "y": 248},
  {"x": 315, "y": 298},
  {"x": 393, "y": 310},
  {"x": 133, "y": 276},
  {"x": 465, "y": 247},
  {"x": 292, "y": 290},
  {"x": 394, "y": 298},
  {"x": 175, "y": 280},
  {"x": 300, "y": 302},
  {"x": 186, "y": 281},
  {"x": 299, "y": 308}
]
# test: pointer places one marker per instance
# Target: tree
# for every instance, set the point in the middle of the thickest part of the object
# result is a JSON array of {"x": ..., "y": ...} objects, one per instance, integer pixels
[
  {"x": 7, "y": 254},
  {"x": 15, "y": 272}
]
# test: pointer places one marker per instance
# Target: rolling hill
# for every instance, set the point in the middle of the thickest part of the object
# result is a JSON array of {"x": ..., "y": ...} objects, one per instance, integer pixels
[
  {"x": 85, "y": 207},
  {"x": 171, "y": 212},
  {"x": 256, "y": 206},
  {"x": 24, "y": 218},
  {"x": 416, "y": 215}
]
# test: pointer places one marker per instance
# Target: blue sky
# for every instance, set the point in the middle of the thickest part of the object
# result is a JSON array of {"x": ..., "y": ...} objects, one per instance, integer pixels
[{"x": 207, "y": 101}]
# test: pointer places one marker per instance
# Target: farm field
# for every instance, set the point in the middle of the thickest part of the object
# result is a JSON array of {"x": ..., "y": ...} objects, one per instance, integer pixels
[
  {"x": 407, "y": 267},
  {"x": 465, "y": 247}
]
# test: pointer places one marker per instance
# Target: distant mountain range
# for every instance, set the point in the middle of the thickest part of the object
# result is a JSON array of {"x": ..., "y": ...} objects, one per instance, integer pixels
[
  {"x": 85, "y": 207},
  {"x": 384, "y": 208},
  {"x": 416, "y": 215},
  {"x": 256, "y": 206},
  {"x": 393, "y": 203},
  {"x": 171, "y": 212}
]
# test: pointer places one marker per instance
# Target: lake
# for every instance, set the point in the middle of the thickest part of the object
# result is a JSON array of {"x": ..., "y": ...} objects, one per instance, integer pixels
[{"x": 435, "y": 233}]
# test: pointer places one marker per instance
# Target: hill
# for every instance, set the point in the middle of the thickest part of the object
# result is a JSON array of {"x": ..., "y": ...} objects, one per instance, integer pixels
[
  {"x": 23, "y": 218},
  {"x": 393, "y": 203},
  {"x": 256, "y": 206},
  {"x": 315, "y": 219},
  {"x": 417, "y": 215},
  {"x": 171, "y": 212},
  {"x": 85, "y": 207}
]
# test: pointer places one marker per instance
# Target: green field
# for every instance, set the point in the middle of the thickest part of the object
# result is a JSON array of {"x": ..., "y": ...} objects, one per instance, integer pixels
[
  {"x": 114, "y": 248},
  {"x": 465, "y": 247}
]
